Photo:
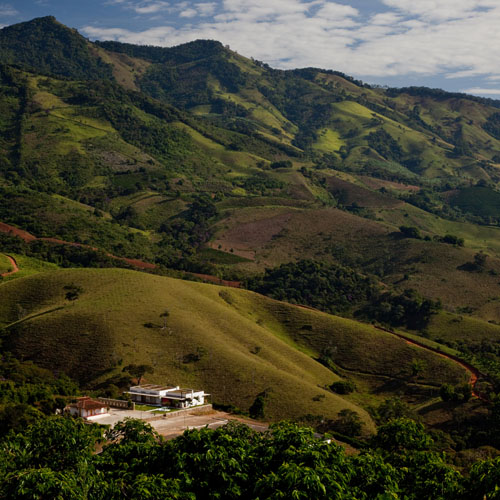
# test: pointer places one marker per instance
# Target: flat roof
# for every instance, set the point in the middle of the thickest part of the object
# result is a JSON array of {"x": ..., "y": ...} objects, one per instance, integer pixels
[
  {"x": 170, "y": 395},
  {"x": 154, "y": 387}
]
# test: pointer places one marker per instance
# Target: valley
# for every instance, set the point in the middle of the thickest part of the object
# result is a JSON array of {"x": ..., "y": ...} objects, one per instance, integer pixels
[{"x": 297, "y": 241}]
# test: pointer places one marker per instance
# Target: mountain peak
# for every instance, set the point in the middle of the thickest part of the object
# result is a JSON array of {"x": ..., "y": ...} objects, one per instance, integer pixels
[
  {"x": 179, "y": 54},
  {"x": 46, "y": 46}
]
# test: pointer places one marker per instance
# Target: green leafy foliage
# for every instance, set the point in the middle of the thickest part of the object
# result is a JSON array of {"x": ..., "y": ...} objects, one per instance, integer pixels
[
  {"x": 402, "y": 435},
  {"x": 331, "y": 288},
  {"x": 343, "y": 387},
  {"x": 49, "y": 47},
  {"x": 263, "y": 185},
  {"x": 28, "y": 392},
  {"x": 492, "y": 125},
  {"x": 410, "y": 232},
  {"x": 385, "y": 145},
  {"x": 458, "y": 394},
  {"x": 478, "y": 200},
  {"x": 55, "y": 458},
  {"x": 407, "y": 309},
  {"x": 392, "y": 409}
]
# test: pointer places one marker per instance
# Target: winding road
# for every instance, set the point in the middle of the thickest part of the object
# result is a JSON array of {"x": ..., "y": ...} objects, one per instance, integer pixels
[
  {"x": 474, "y": 373},
  {"x": 14, "y": 265}
]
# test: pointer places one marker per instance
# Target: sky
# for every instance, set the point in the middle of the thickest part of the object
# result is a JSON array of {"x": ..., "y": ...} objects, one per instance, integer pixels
[{"x": 448, "y": 44}]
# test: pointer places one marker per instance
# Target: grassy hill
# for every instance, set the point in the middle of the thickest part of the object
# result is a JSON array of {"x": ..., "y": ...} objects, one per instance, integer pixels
[
  {"x": 233, "y": 343},
  {"x": 5, "y": 265}
]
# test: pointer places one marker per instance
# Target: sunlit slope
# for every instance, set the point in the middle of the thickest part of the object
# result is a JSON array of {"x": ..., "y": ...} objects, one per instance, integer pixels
[
  {"x": 5, "y": 264},
  {"x": 233, "y": 343}
]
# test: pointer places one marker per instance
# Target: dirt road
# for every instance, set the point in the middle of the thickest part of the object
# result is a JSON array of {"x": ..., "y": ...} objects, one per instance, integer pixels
[
  {"x": 13, "y": 263},
  {"x": 474, "y": 373}
]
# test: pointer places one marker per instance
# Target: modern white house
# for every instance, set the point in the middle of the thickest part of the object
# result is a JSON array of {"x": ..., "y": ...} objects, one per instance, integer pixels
[
  {"x": 87, "y": 408},
  {"x": 173, "y": 396}
]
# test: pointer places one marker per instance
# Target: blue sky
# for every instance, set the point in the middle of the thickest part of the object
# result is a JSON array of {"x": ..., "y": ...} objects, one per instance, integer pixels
[{"x": 451, "y": 44}]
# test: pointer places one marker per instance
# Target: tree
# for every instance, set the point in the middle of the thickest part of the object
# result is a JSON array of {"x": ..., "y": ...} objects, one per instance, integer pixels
[
  {"x": 257, "y": 409},
  {"x": 410, "y": 232},
  {"x": 165, "y": 314},
  {"x": 17, "y": 417},
  {"x": 348, "y": 423},
  {"x": 462, "y": 393},
  {"x": 132, "y": 431},
  {"x": 391, "y": 409},
  {"x": 402, "y": 435},
  {"x": 343, "y": 387},
  {"x": 138, "y": 371},
  {"x": 484, "y": 479},
  {"x": 446, "y": 392},
  {"x": 57, "y": 443},
  {"x": 417, "y": 367}
]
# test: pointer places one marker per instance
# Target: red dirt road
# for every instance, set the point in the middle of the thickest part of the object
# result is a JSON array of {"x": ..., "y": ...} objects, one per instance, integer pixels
[
  {"x": 13, "y": 263},
  {"x": 139, "y": 264},
  {"x": 14, "y": 231},
  {"x": 474, "y": 373},
  {"x": 28, "y": 238}
]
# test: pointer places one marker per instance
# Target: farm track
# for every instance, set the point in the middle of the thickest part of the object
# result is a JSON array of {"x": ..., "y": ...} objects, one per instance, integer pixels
[
  {"x": 474, "y": 373},
  {"x": 14, "y": 265},
  {"x": 28, "y": 237},
  {"x": 32, "y": 316}
]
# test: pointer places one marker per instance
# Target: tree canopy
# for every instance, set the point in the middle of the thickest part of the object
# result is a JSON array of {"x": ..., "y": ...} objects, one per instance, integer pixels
[{"x": 55, "y": 458}]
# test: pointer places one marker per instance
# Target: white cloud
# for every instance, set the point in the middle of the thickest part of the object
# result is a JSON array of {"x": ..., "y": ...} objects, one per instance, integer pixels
[
  {"x": 481, "y": 91},
  {"x": 206, "y": 8},
  {"x": 7, "y": 10},
  {"x": 456, "y": 38},
  {"x": 189, "y": 13},
  {"x": 440, "y": 10},
  {"x": 150, "y": 8},
  {"x": 335, "y": 11}
]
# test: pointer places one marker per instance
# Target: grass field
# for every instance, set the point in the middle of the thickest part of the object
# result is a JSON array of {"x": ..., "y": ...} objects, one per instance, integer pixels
[
  {"x": 5, "y": 264},
  {"x": 456, "y": 327},
  {"x": 329, "y": 141},
  {"x": 28, "y": 266}
]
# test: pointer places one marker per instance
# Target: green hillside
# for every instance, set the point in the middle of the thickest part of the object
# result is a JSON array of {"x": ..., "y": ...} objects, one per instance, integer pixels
[
  {"x": 197, "y": 159},
  {"x": 49, "y": 47},
  {"x": 233, "y": 343},
  {"x": 5, "y": 265}
]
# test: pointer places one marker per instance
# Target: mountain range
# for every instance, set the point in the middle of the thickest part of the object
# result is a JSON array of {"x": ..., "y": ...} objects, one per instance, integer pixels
[{"x": 310, "y": 187}]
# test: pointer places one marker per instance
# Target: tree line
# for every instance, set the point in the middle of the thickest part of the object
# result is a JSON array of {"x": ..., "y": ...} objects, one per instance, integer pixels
[{"x": 55, "y": 458}]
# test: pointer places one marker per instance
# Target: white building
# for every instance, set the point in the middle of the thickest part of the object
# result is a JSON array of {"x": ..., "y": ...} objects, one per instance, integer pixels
[
  {"x": 87, "y": 408},
  {"x": 174, "y": 396}
]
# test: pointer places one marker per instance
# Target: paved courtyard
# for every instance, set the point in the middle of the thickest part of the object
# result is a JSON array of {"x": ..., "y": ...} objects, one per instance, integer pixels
[{"x": 169, "y": 426}]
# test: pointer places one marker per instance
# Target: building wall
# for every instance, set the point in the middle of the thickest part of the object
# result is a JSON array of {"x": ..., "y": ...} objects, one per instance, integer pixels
[{"x": 81, "y": 412}]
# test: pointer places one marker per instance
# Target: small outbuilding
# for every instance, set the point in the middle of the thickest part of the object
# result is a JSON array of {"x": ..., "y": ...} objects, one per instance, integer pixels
[
  {"x": 87, "y": 408},
  {"x": 172, "y": 396}
]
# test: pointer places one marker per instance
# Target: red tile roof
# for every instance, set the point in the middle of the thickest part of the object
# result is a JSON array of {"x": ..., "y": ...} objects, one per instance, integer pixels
[{"x": 87, "y": 403}]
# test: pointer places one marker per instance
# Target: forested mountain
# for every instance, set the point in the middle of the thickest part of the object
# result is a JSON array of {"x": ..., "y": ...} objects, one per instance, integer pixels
[{"x": 380, "y": 205}]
